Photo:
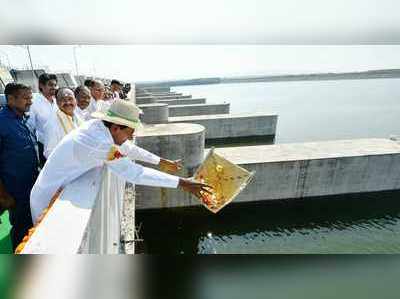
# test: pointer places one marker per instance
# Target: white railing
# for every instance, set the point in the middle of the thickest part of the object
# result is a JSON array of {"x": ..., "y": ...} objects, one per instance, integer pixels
[{"x": 85, "y": 219}]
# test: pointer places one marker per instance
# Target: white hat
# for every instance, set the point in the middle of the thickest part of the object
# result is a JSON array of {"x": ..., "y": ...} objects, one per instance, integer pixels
[{"x": 120, "y": 112}]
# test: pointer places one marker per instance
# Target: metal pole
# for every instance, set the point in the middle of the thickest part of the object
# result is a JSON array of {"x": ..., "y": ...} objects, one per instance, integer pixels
[
  {"x": 76, "y": 61},
  {"x": 30, "y": 60}
]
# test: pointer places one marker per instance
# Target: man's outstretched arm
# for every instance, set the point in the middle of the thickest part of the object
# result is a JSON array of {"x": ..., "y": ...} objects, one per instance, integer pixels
[
  {"x": 141, "y": 175},
  {"x": 135, "y": 152}
]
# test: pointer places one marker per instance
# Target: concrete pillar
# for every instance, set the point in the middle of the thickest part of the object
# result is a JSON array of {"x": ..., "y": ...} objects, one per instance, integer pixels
[
  {"x": 227, "y": 128},
  {"x": 183, "y": 101},
  {"x": 154, "y": 113},
  {"x": 147, "y": 100},
  {"x": 170, "y": 141}
]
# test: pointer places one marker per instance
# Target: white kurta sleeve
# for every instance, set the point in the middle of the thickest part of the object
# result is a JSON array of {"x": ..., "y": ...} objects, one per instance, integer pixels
[
  {"x": 141, "y": 175},
  {"x": 134, "y": 152},
  {"x": 52, "y": 137}
]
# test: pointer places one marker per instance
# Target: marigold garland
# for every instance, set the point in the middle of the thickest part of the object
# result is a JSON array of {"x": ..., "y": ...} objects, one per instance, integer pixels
[
  {"x": 25, "y": 240},
  {"x": 114, "y": 154}
]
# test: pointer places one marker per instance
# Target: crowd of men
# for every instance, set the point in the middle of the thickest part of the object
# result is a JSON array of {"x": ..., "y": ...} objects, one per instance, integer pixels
[{"x": 55, "y": 138}]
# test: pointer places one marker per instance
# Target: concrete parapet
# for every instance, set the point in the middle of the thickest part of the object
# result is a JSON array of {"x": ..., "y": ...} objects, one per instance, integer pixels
[
  {"x": 171, "y": 141},
  {"x": 183, "y": 101},
  {"x": 318, "y": 168},
  {"x": 198, "y": 109},
  {"x": 301, "y": 170},
  {"x": 229, "y": 127},
  {"x": 154, "y": 113}
]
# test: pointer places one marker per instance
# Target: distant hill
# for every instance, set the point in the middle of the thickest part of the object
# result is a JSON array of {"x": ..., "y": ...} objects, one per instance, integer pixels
[{"x": 372, "y": 74}]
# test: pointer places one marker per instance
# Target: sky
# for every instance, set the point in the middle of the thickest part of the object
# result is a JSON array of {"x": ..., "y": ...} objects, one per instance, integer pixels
[
  {"x": 157, "y": 40},
  {"x": 163, "y": 62},
  {"x": 201, "y": 21}
]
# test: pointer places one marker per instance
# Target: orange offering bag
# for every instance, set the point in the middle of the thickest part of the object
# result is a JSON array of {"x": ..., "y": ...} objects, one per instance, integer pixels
[{"x": 226, "y": 178}]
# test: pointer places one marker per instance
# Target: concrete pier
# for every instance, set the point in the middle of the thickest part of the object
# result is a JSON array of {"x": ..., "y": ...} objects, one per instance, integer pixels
[
  {"x": 145, "y": 101},
  {"x": 228, "y": 128},
  {"x": 150, "y": 88},
  {"x": 156, "y": 94},
  {"x": 156, "y": 113},
  {"x": 183, "y": 101},
  {"x": 198, "y": 109},
  {"x": 171, "y": 141},
  {"x": 300, "y": 170}
]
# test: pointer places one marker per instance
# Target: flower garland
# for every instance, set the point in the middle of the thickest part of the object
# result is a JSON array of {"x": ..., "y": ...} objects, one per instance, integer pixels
[
  {"x": 114, "y": 154},
  {"x": 25, "y": 240}
]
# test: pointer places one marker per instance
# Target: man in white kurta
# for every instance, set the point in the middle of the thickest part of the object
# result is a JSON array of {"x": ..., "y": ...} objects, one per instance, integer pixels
[
  {"x": 116, "y": 88},
  {"x": 97, "y": 92},
  {"x": 89, "y": 147},
  {"x": 42, "y": 108},
  {"x": 62, "y": 121},
  {"x": 83, "y": 98}
]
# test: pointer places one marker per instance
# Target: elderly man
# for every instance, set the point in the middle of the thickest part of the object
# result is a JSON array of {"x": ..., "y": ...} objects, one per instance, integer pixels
[
  {"x": 104, "y": 141},
  {"x": 62, "y": 121},
  {"x": 18, "y": 160},
  {"x": 97, "y": 91},
  {"x": 82, "y": 96},
  {"x": 42, "y": 108}
]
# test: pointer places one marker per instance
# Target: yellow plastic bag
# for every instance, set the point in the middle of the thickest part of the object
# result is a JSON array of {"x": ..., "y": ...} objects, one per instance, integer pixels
[{"x": 226, "y": 178}]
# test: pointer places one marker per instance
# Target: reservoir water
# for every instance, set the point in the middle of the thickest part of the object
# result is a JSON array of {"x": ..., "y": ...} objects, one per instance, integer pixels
[{"x": 307, "y": 111}]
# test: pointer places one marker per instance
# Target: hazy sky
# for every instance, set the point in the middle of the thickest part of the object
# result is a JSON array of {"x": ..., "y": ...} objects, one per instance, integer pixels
[
  {"x": 202, "y": 38},
  {"x": 159, "y": 62},
  {"x": 200, "y": 21}
]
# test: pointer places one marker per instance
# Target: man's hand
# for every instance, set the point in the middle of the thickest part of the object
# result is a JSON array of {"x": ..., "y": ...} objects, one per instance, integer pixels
[
  {"x": 170, "y": 166},
  {"x": 196, "y": 188}
]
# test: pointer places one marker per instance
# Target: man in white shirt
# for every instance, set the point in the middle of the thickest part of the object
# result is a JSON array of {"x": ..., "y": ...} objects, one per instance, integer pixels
[
  {"x": 105, "y": 142},
  {"x": 42, "y": 108},
  {"x": 97, "y": 91},
  {"x": 82, "y": 96},
  {"x": 116, "y": 88},
  {"x": 62, "y": 121}
]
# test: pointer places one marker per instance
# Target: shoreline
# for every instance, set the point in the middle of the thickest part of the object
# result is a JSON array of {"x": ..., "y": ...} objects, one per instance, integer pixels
[{"x": 375, "y": 74}]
